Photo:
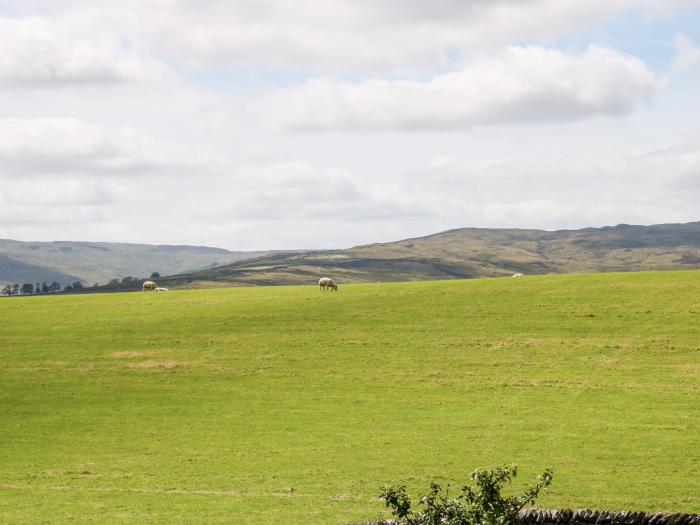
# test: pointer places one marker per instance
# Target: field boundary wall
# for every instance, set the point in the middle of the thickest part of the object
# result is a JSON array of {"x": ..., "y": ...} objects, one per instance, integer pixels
[{"x": 590, "y": 517}]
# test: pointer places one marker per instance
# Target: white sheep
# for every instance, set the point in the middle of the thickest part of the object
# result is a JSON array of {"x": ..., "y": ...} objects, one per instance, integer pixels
[
  {"x": 517, "y": 275},
  {"x": 149, "y": 285},
  {"x": 326, "y": 282},
  {"x": 160, "y": 289}
]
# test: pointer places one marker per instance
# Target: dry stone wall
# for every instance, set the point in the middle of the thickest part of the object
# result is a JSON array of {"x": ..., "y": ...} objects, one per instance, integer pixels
[
  {"x": 589, "y": 517},
  {"x": 604, "y": 517}
]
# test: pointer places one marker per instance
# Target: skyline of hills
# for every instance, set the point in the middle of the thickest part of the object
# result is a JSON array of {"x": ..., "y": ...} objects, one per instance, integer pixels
[
  {"x": 470, "y": 253},
  {"x": 458, "y": 253},
  {"x": 91, "y": 262}
]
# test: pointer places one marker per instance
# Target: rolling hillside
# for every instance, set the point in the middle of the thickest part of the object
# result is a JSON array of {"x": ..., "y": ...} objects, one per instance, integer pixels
[
  {"x": 89, "y": 262},
  {"x": 472, "y": 252},
  {"x": 285, "y": 405},
  {"x": 461, "y": 253},
  {"x": 14, "y": 271}
]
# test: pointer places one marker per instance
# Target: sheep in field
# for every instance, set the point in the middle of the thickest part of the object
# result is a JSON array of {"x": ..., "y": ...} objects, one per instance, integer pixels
[
  {"x": 326, "y": 282},
  {"x": 517, "y": 275},
  {"x": 160, "y": 289},
  {"x": 149, "y": 285}
]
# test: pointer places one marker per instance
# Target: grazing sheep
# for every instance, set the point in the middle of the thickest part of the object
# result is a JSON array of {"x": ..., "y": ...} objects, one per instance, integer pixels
[
  {"x": 160, "y": 289},
  {"x": 149, "y": 285},
  {"x": 327, "y": 282},
  {"x": 517, "y": 275}
]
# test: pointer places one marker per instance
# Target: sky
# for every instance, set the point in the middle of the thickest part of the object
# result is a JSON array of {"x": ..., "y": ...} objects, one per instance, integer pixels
[{"x": 289, "y": 124}]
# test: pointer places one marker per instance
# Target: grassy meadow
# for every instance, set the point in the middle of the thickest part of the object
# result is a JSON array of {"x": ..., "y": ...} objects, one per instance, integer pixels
[{"x": 288, "y": 405}]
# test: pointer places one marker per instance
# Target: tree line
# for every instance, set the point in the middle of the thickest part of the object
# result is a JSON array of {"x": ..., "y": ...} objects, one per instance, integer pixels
[
  {"x": 53, "y": 287},
  {"x": 39, "y": 288}
]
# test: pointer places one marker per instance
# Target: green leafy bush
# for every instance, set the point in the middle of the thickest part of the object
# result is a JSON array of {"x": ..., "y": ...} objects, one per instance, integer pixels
[{"x": 480, "y": 503}]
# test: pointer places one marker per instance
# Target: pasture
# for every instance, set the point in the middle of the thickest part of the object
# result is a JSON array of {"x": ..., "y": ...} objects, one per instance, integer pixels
[{"x": 287, "y": 405}]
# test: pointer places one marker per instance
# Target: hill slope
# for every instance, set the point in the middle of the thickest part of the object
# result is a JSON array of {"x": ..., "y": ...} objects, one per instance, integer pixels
[
  {"x": 286, "y": 405},
  {"x": 89, "y": 262},
  {"x": 14, "y": 271},
  {"x": 473, "y": 252}
]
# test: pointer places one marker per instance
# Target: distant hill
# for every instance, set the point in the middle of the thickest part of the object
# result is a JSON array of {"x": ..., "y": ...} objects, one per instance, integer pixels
[
  {"x": 19, "y": 272},
  {"x": 460, "y": 253},
  {"x": 90, "y": 262},
  {"x": 471, "y": 252}
]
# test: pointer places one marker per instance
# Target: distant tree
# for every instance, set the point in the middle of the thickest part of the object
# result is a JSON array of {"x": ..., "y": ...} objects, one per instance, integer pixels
[
  {"x": 44, "y": 287},
  {"x": 7, "y": 290},
  {"x": 55, "y": 287},
  {"x": 27, "y": 288},
  {"x": 113, "y": 282},
  {"x": 155, "y": 275},
  {"x": 128, "y": 279},
  {"x": 68, "y": 288},
  {"x": 95, "y": 285},
  {"x": 77, "y": 285},
  {"x": 15, "y": 289},
  {"x": 37, "y": 288}
]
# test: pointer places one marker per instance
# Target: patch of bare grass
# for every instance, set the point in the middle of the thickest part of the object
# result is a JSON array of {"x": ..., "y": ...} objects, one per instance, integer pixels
[
  {"x": 126, "y": 355},
  {"x": 690, "y": 369},
  {"x": 151, "y": 364}
]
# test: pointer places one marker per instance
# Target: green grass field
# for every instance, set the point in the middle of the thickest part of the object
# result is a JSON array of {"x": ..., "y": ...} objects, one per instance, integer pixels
[{"x": 287, "y": 405}]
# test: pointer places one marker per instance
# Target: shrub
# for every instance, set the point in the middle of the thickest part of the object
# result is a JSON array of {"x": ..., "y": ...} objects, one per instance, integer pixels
[{"x": 478, "y": 504}]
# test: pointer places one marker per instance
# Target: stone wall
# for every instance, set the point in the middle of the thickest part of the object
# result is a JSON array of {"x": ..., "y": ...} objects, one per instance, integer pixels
[
  {"x": 604, "y": 517},
  {"x": 586, "y": 516}
]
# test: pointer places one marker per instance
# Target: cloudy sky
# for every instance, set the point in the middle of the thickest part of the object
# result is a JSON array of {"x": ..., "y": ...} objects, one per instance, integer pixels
[{"x": 260, "y": 124}]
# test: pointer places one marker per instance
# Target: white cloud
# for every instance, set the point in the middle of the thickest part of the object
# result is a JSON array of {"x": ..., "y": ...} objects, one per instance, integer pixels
[
  {"x": 677, "y": 166},
  {"x": 71, "y": 51},
  {"x": 122, "y": 41},
  {"x": 687, "y": 54},
  {"x": 522, "y": 84},
  {"x": 287, "y": 205},
  {"x": 661, "y": 185},
  {"x": 666, "y": 7},
  {"x": 28, "y": 218},
  {"x": 60, "y": 192},
  {"x": 296, "y": 190},
  {"x": 358, "y": 35},
  {"x": 299, "y": 204},
  {"x": 330, "y": 36},
  {"x": 104, "y": 71},
  {"x": 367, "y": 35},
  {"x": 39, "y": 147}
]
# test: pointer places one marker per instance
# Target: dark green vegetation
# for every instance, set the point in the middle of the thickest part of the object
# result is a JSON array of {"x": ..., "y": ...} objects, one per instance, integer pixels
[
  {"x": 472, "y": 252},
  {"x": 91, "y": 262},
  {"x": 480, "y": 502},
  {"x": 288, "y": 405}
]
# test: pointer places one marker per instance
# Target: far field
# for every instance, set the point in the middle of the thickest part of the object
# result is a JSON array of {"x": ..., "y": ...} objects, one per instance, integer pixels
[{"x": 287, "y": 405}]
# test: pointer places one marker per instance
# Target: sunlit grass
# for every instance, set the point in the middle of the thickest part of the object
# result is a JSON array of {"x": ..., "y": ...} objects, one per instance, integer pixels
[{"x": 288, "y": 405}]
